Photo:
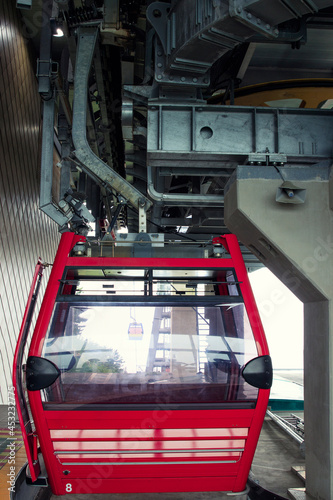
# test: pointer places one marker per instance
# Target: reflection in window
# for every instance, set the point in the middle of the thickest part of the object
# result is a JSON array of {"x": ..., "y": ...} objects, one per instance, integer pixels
[
  {"x": 152, "y": 282},
  {"x": 183, "y": 355},
  {"x": 291, "y": 102}
]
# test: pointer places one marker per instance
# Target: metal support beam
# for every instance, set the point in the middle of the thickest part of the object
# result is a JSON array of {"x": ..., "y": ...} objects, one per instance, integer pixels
[
  {"x": 206, "y": 134},
  {"x": 44, "y": 62},
  {"x": 142, "y": 220},
  {"x": 65, "y": 172},
  {"x": 246, "y": 61},
  {"x": 111, "y": 14},
  {"x": 45, "y": 87},
  {"x": 91, "y": 164},
  {"x": 45, "y": 200}
]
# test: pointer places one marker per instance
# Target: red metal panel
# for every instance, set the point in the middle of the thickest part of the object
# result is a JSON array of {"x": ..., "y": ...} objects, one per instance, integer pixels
[
  {"x": 147, "y": 434},
  {"x": 102, "y": 484},
  {"x": 143, "y": 262},
  {"x": 228, "y": 422},
  {"x": 151, "y": 471},
  {"x": 132, "y": 460},
  {"x": 143, "y": 446},
  {"x": 102, "y": 420},
  {"x": 166, "y": 419},
  {"x": 252, "y": 440}
]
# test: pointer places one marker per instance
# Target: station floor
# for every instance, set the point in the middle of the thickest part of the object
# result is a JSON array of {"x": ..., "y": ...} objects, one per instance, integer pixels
[{"x": 275, "y": 456}]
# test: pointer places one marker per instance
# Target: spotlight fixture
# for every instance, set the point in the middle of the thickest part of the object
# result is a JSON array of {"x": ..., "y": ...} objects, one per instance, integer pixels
[{"x": 289, "y": 193}]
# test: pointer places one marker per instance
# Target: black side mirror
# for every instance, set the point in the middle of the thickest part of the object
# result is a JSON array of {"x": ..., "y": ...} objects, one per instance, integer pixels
[
  {"x": 259, "y": 372},
  {"x": 40, "y": 373}
]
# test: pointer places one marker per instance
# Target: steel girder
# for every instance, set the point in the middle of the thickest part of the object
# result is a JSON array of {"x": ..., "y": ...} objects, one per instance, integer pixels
[{"x": 209, "y": 136}]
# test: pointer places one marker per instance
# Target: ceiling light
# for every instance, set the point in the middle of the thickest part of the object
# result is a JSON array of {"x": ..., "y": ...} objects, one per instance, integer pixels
[
  {"x": 58, "y": 32},
  {"x": 56, "y": 27}
]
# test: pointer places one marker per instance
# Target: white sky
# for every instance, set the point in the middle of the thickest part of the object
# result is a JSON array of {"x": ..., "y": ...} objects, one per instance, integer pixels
[
  {"x": 115, "y": 335},
  {"x": 282, "y": 316}
]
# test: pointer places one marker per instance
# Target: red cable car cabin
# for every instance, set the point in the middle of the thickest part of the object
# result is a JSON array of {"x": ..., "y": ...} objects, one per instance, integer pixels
[{"x": 179, "y": 408}]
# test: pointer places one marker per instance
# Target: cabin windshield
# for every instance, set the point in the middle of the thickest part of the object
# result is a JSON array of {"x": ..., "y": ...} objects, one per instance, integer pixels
[
  {"x": 123, "y": 336},
  {"x": 156, "y": 354}
]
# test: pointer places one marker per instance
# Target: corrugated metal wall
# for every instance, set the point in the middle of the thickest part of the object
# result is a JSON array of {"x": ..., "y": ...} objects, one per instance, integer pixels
[{"x": 26, "y": 233}]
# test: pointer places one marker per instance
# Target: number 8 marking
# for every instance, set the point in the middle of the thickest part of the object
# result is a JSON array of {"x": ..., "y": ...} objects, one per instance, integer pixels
[{"x": 68, "y": 488}]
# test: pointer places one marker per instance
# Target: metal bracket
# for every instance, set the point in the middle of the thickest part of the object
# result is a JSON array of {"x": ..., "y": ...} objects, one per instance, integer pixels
[
  {"x": 43, "y": 68},
  {"x": 138, "y": 93},
  {"x": 181, "y": 71},
  {"x": 267, "y": 159},
  {"x": 142, "y": 218},
  {"x": 157, "y": 15},
  {"x": 78, "y": 208},
  {"x": 142, "y": 246},
  {"x": 180, "y": 75},
  {"x": 239, "y": 9}
]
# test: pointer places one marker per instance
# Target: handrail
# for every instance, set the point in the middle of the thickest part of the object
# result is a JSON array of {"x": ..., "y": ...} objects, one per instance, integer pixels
[{"x": 21, "y": 403}]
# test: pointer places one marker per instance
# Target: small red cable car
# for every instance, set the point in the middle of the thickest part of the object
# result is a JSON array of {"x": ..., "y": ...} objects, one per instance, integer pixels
[{"x": 179, "y": 409}]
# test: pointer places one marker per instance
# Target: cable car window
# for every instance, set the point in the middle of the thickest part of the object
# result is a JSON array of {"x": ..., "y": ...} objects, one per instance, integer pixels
[
  {"x": 152, "y": 282},
  {"x": 149, "y": 354}
]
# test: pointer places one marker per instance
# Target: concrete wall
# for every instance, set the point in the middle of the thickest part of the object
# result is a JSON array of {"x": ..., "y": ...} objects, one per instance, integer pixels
[
  {"x": 295, "y": 241},
  {"x": 25, "y": 233}
]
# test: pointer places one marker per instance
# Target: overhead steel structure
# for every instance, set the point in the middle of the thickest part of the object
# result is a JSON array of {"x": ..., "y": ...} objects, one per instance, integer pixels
[
  {"x": 149, "y": 108},
  {"x": 135, "y": 89}
]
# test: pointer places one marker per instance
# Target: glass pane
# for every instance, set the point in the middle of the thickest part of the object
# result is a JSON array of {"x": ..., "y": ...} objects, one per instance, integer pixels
[
  {"x": 150, "y": 355},
  {"x": 149, "y": 282}
]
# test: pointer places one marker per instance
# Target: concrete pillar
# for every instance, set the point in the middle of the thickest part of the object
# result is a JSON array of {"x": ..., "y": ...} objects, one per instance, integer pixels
[{"x": 295, "y": 241}]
